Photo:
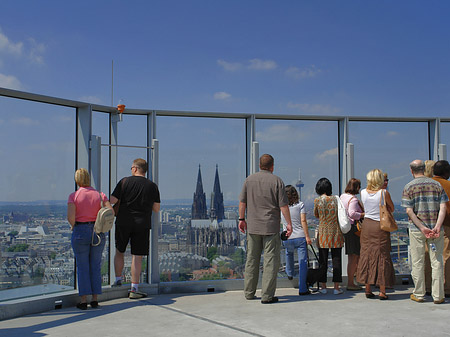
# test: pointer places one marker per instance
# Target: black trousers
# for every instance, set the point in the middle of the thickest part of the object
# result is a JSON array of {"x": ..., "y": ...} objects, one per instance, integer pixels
[{"x": 336, "y": 254}]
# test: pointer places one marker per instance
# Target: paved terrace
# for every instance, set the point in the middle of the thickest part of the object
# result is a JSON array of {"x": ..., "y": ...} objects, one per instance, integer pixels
[{"x": 229, "y": 314}]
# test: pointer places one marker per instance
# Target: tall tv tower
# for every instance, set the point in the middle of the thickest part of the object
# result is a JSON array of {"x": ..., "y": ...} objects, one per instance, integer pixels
[{"x": 299, "y": 185}]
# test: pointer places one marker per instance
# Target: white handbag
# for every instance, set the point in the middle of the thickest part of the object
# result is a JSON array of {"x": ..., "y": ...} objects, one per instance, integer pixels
[{"x": 344, "y": 221}]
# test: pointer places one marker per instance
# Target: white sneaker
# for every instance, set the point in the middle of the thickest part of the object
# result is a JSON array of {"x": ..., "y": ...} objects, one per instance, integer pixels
[
  {"x": 323, "y": 291},
  {"x": 338, "y": 291}
]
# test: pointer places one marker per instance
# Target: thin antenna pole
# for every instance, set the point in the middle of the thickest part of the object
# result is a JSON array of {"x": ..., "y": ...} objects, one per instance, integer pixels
[{"x": 112, "y": 82}]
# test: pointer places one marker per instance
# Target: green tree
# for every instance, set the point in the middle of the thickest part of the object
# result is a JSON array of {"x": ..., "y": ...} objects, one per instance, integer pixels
[
  {"x": 13, "y": 233},
  {"x": 238, "y": 256},
  {"x": 21, "y": 247},
  {"x": 211, "y": 254}
]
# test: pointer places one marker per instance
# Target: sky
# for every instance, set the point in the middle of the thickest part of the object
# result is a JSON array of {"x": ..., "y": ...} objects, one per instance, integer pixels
[{"x": 355, "y": 58}]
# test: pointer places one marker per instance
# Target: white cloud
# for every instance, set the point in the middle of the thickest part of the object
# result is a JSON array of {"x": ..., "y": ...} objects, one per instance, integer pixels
[
  {"x": 258, "y": 64},
  {"x": 299, "y": 73},
  {"x": 392, "y": 133},
  {"x": 314, "y": 109},
  {"x": 36, "y": 51},
  {"x": 280, "y": 133},
  {"x": 229, "y": 66},
  {"x": 25, "y": 121},
  {"x": 90, "y": 99},
  {"x": 31, "y": 49},
  {"x": 222, "y": 95},
  {"x": 327, "y": 153},
  {"x": 9, "y": 81},
  {"x": 10, "y": 47}
]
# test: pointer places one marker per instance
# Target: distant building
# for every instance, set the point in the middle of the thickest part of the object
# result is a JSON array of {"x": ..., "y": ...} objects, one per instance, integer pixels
[{"x": 215, "y": 231}]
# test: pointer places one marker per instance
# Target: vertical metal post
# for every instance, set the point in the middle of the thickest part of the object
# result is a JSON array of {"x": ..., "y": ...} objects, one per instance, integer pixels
[
  {"x": 84, "y": 130},
  {"x": 113, "y": 141},
  {"x": 250, "y": 133},
  {"x": 350, "y": 162},
  {"x": 345, "y": 169},
  {"x": 96, "y": 162},
  {"x": 342, "y": 153},
  {"x": 442, "y": 153},
  {"x": 255, "y": 158},
  {"x": 434, "y": 138},
  {"x": 153, "y": 175},
  {"x": 154, "y": 261}
]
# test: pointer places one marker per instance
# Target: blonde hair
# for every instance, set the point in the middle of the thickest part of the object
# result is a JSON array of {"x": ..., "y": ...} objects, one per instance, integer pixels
[
  {"x": 429, "y": 165},
  {"x": 82, "y": 178},
  {"x": 375, "y": 180}
]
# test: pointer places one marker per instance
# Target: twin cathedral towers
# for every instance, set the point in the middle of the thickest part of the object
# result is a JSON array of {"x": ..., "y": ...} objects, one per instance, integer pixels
[
  {"x": 211, "y": 230},
  {"x": 199, "y": 210}
]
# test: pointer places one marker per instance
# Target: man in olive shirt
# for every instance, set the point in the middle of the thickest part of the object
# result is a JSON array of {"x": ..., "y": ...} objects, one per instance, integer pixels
[{"x": 264, "y": 196}]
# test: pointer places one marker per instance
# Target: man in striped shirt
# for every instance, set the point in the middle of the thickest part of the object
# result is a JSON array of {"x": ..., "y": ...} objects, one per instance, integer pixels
[{"x": 425, "y": 203}]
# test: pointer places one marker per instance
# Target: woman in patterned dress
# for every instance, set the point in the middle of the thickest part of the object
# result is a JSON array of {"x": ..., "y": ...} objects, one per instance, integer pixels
[{"x": 330, "y": 235}]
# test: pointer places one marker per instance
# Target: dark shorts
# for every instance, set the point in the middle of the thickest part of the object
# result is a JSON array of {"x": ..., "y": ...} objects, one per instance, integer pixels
[
  {"x": 352, "y": 242},
  {"x": 138, "y": 237}
]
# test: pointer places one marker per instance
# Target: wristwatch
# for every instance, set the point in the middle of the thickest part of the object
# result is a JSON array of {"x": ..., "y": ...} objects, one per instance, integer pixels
[{"x": 241, "y": 219}]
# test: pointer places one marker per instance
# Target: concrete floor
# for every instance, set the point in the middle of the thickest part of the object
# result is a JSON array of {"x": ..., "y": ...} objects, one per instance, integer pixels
[{"x": 229, "y": 314}]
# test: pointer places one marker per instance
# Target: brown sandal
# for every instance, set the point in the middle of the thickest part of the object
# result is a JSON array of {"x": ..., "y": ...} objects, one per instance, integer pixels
[
  {"x": 383, "y": 296},
  {"x": 370, "y": 295}
]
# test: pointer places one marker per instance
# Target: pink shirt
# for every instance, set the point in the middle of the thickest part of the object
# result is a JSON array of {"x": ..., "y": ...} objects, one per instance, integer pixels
[
  {"x": 87, "y": 203},
  {"x": 351, "y": 203}
]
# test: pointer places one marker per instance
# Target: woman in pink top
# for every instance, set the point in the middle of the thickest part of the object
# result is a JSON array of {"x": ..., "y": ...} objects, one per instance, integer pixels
[
  {"x": 352, "y": 244},
  {"x": 82, "y": 208}
]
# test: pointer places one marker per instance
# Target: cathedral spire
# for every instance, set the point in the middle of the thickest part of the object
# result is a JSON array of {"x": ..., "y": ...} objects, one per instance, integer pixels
[
  {"x": 217, "y": 209},
  {"x": 199, "y": 203}
]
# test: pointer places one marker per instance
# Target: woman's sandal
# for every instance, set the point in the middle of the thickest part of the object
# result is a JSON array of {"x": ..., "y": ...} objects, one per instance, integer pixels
[
  {"x": 383, "y": 296},
  {"x": 370, "y": 295}
]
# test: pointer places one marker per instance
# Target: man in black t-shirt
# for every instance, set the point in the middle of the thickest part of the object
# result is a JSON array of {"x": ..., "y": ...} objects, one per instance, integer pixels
[{"x": 138, "y": 197}]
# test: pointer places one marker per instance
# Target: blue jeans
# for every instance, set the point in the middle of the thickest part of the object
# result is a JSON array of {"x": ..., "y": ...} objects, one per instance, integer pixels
[
  {"x": 88, "y": 258},
  {"x": 291, "y": 245}
]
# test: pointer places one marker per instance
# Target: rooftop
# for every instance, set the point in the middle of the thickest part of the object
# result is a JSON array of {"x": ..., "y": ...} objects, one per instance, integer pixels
[{"x": 229, "y": 314}]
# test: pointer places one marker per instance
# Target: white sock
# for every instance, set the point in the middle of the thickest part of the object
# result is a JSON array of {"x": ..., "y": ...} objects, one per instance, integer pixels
[{"x": 135, "y": 286}]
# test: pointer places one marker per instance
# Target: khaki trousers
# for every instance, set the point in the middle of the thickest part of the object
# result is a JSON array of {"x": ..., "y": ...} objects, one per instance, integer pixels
[
  {"x": 418, "y": 242},
  {"x": 256, "y": 244},
  {"x": 446, "y": 230}
]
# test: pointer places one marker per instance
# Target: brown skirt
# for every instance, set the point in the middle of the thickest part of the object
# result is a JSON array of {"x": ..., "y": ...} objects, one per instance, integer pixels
[{"x": 375, "y": 264}]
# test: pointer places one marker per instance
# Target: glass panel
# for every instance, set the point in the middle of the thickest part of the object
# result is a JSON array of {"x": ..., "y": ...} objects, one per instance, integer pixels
[
  {"x": 132, "y": 130},
  {"x": 100, "y": 127},
  {"x": 304, "y": 152},
  {"x": 391, "y": 147},
  {"x": 208, "y": 246},
  {"x": 445, "y": 136},
  {"x": 37, "y": 143},
  {"x": 125, "y": 157}
]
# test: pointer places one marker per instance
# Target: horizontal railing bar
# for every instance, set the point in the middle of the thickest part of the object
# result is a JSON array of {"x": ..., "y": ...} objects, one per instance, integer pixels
[
  {"x": 128, "y": 111},
  {"x": 132, "y": 146}
]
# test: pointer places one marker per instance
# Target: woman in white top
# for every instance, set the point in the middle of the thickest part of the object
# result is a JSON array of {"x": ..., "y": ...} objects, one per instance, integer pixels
[
  {"x": 298, "y": 239},
  {"x": 375, "y": 264}
]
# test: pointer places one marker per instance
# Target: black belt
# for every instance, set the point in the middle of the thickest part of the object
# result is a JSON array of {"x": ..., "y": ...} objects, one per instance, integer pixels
[{"x": 85, "y": 223}]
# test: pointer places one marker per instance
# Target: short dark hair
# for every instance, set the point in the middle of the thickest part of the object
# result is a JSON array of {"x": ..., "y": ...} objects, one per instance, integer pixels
[
  {"x": 292, "y": 194},
  {"x": 266, "y": 162},
  {"x": 323, "y": 186},
  {"x": 353, "y": 186},
  {"x": 141, "y": 165},
  {"x": 441, "y": 168}
]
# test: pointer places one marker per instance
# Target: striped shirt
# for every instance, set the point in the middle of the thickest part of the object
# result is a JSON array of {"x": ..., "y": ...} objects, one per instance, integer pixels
[{"x": 424, "y": 196}]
